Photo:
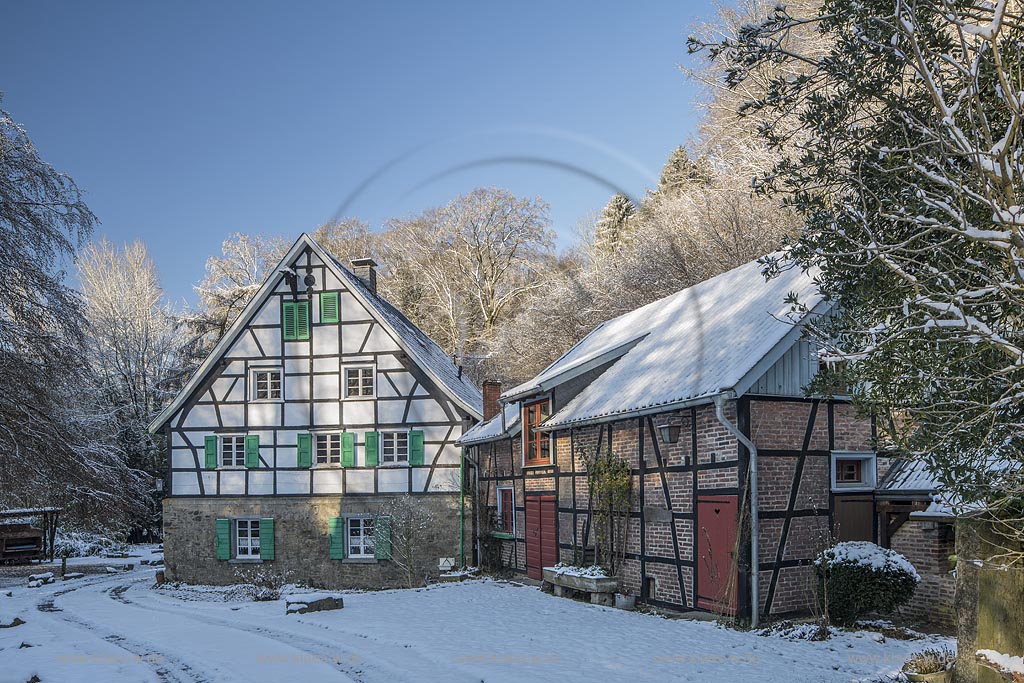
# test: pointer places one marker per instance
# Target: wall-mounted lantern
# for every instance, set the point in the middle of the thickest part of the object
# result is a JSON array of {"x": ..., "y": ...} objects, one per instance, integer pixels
[{"x": 668, "y": 433}]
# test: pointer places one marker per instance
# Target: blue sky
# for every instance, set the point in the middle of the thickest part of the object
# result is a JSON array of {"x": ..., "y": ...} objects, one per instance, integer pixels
[{"x": 186, "y": 122}]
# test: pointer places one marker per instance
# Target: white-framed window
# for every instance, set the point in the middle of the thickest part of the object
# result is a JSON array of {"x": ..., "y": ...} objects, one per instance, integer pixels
[
  {"x": 394, "y": 447},
  {"x": 232, "y": 451},
  {"x": 506, "y": 510},
  {"x": 247, "y": 539},
  {"x": 361, "y": 537},
  {"x": 327, "y": 448},
  {"x": 853, "y": 471},
  {"x": 359, "y": 382},
  {"x": 266, "y": 384}
]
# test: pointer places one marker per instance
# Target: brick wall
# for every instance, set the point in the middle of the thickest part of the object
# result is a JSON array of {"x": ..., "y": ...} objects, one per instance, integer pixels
[
  {"x": 928, "y": 546},
  {"x": 300, "y": 539}
]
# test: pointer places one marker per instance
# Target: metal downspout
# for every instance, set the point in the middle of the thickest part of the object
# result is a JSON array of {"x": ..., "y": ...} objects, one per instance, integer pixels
[{"x": 755, "y": 598}]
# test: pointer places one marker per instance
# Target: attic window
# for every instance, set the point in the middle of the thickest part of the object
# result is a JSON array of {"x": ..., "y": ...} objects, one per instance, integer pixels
[
  {"x": 266, "y": 384},
  {"x": 295, "y": 320},
  {"x": 853, "y": 471}
]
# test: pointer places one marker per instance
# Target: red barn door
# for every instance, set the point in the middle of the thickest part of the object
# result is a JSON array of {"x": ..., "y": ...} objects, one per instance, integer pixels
[
  {"x": 716, "y": 546},
  {"x": 541, "y": 543}
]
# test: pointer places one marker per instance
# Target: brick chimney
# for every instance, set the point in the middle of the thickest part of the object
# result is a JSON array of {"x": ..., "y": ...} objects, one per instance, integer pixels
[
  {"x": 492, "y": 390},
  {"x": 366, "y": 270}
]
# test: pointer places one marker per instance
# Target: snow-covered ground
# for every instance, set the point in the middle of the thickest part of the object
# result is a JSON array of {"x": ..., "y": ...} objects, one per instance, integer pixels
[{"x": 118, "y": 627}]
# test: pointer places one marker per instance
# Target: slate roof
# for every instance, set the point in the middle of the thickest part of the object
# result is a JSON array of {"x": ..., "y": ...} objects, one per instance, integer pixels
[
  {"x": 908, "y": 475},
  {"x": 494, "y": 428},
  {"x": 691, "y": 345}
]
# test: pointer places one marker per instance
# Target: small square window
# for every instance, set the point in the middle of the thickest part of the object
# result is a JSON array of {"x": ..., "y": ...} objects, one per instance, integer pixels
[
  {"x": 232, "y": 451},
  {"x": 394, "y": 446},
  {"x": 853, "y": 471},
  {"x": 328, "y": 449},
  {"x": 266, "y": 384},
  {"x": 358, "y": 382},
  {"x": 361, "y": 537},
  {"x": 247, "y": 539},
  {"x": 848, "y": 472}
]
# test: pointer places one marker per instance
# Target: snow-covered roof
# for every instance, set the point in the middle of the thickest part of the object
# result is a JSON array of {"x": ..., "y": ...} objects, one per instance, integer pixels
[
  {"x": 427, "y": 355},
  {"x": 504, "y": 424},
  {"x": 908, "y": 475},
  {"x": 716, "y": 336}
]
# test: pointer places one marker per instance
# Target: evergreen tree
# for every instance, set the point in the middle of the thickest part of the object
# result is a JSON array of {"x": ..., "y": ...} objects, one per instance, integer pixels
[
  {"x": 681, "y": 170},
  {"x": 613, "y": 227}
]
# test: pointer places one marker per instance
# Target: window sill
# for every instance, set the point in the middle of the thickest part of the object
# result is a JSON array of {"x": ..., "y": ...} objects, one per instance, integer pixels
[
  {"x": 266, "y": 400},
  {"x": 537, "y": 465},
  {"x": 358, "y": 398},
  {"x": 504, "y": 535},
  {"x": 236, "y": 560},
  {"x": 853, "y": 488},
  {"x": 233, "y": 468},
  {"x": 359, "y": 560},
  {"x": 393, "y": 465}
]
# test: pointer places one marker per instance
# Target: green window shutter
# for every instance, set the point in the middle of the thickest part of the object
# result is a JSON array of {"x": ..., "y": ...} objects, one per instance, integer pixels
[
  {"x": 305, "y": 450},
  {"x": 370, "y": 448},
  {"x": 416, "y": 447},
  {"x": 210, "y": 445},
  {"x": 302, "y": 320},
  {"x": 328, "y": 307},
  {"x": 267, "y": 538},
  {"x": 223, "y": 539},
  {"x": 348, "y": 449},
  {"x": 288, "y": 320},
  {"x": 252, "y": 451},
  {"x": 382, "y": 544},
  {"x": 336, "y": 534}
]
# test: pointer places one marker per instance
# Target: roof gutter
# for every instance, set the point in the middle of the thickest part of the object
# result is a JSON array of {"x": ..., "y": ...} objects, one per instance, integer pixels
[
  {"x": 651, "y": 410},
  {"x": 755, "y": 598}
]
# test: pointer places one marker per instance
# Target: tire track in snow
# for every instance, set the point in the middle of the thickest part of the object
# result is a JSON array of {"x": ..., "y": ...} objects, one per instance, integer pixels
[
  {"x": 167, "y": 668},
  {"x": 327, "y": 651}
]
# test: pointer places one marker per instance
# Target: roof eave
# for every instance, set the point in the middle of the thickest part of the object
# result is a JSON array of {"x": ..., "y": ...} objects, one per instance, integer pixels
[{"x": 639, "y": 412}]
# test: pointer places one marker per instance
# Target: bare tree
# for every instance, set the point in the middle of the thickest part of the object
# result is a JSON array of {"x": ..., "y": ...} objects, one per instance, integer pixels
[{"x": 402, "y": 524}]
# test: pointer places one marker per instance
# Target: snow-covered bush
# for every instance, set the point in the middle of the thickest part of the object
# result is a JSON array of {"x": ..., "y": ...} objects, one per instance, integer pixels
[
  {"x": 856, "y": 578},
  {"x": 264, "y": 584},
  {"x": 85, "y": 544}
]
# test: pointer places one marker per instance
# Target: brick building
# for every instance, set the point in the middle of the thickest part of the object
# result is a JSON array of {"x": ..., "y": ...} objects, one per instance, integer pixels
[{"x": 700, "y": 392}]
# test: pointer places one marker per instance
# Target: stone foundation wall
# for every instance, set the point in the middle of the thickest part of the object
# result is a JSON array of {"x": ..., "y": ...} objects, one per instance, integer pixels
[{"x": 301, "y": 540}]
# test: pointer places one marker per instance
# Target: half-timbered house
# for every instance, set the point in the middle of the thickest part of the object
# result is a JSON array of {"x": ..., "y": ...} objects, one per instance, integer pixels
[
  {"x": 320, "y": 405},
  {"x": 704, "y": 393}
]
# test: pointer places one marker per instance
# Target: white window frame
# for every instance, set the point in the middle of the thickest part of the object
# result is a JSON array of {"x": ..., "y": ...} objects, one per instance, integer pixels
[
  {"x": 238, "y": 438},
  {"x": 316, "y": 446},
  {"x": 868, "y": 470},
  {"x": 253, "y": 372},
  {"x": 501, "y": 513},
  {"x": 363, "y": 554},
  {"x": 396, "y": 462},
  {"x": 359, "y": 368},
  {"x": 249, "y": 523}
]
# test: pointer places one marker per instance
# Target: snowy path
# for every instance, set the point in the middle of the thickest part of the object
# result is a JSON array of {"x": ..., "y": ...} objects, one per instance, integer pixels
[{"x": 116, "y": 627}]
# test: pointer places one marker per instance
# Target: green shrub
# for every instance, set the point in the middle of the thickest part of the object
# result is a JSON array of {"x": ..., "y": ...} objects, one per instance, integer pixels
[{"x": 857, "y": 578}]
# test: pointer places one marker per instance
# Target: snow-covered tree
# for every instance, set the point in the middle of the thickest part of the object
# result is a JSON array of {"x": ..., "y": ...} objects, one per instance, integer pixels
[
  {"x": 134, "y": 345},
  {"x": 908, "y": 175},
  {"x": 232, "y": 279},
  {"x": 53, "y": 446},
  {"x": 613, "y": 226}
]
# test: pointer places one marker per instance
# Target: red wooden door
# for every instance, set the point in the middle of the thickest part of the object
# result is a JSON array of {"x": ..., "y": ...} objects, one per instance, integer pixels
[
  {"x": 541, "y": 543},
  {"x": 716, "y": 546}
]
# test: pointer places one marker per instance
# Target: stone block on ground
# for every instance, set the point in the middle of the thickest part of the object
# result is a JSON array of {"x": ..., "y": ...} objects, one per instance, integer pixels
[
  {"x": 312, "y": 602},
  {"x": 606, "y": 599}
]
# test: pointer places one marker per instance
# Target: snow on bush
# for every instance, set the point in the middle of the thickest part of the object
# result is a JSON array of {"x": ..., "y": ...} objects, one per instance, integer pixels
[
  {"x": 592, "y": 572},
  {"x": 856, "y": 578},
  {"x": 867, "y": 554},
  {"x": 85, "y": 544}
]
